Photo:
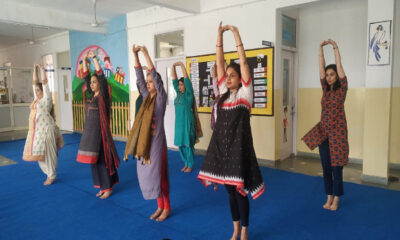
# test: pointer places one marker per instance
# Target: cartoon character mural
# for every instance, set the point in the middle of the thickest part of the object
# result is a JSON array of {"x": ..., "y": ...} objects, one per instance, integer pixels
[
  {"x": 119, "y": 90},
  {"x": 120, "y": 75},
  {"x": 107, "y": 67}
]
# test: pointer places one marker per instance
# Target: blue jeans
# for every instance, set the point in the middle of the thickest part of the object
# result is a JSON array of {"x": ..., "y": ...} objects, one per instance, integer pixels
[{"x": 333, "y": 176}]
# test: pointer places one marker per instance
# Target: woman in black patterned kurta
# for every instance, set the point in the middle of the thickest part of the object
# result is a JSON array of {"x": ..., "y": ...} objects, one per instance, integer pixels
[{"x": 230, "y": 158}]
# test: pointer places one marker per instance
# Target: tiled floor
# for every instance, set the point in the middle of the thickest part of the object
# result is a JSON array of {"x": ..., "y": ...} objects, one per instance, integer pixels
[
  {"x": 304, "y": 165},
  {"x": 13, "y": 135}
]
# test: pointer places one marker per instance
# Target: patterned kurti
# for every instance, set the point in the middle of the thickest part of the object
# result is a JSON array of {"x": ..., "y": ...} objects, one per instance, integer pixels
[
  {"x": 333, "y": 124},
  {"x": 149, "y": 175},
  {"x": 230, "y": 157},
  {"x": 40, "y": 123},
  {"x": 97, "y": 145},
  {"x": 185, "y": 134}
]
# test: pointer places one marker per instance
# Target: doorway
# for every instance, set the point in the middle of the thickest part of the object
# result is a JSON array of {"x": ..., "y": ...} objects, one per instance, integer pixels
[
  {"x": 164, "y": 67},
  {"x": 289, "y": 103}
]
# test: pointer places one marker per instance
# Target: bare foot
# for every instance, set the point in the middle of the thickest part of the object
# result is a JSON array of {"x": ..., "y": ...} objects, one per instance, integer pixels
[
  {"x": 184, "y": 169},
  {"x": 49, "y": 181},
  {"x": 99, "y": 193},
  {"x": 328, "y": 203},
  {"x": 156, "y": 214},
  {"x": 245, "y": 234},
  {"x": 236, "y": 230},
  {"x": 188, "y": 170},
  {"x": 335, "y": 204},
  {"x": 164, "y": 215},
  {"x": 106, "y": 194},
  {"x": 215, "y": 186}
]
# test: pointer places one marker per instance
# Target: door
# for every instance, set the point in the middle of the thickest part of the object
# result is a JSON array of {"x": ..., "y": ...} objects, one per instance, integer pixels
[
  {"x": 65, "y": 99},
  {"x": 5, "y": 101},
  {"x": 288, "y": 110},
  {"x": 164, "y": 67},
  {"x": 16, "y": 95}
]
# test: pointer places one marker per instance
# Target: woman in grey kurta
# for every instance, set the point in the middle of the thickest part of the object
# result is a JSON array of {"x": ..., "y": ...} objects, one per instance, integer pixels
[
  {"x": 185, "y": 133},
  {"x": 152, "y": 167}
]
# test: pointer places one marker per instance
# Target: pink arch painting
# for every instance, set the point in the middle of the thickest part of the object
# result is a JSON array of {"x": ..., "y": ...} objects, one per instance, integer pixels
[{"x": 99, "y": 52}]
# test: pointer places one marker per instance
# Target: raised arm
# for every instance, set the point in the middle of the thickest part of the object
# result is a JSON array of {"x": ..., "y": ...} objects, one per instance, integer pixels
[
  {"x": 338, "y": 60},
  {"x": 173, "y": 71},
  {"x": 174, "y": 76},
  {"x": 321, "y": 60},
  {"x": 215, "y": 80},
  {"x": 244, "y": 67},
  {"x": 158, "y": 84},
  {"x": 46, "y": 91},
  {"x": 140, "y": 81},
  {"x": 100, "y": 77},
  {"x": 35, "y": 79},
  {"x": 220, "y": 51},
  {"x": 86, "y": 74},
  {"x": 186, "y": 81},
  {"x": 185, "y": 75}
]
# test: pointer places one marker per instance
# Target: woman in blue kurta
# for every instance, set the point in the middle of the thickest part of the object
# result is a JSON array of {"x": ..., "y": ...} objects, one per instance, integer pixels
[{"x": 185, "y": 134}]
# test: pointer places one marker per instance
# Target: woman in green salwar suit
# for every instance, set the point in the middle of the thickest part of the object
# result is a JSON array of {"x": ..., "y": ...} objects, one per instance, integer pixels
[{"x": 185, "y": 133}]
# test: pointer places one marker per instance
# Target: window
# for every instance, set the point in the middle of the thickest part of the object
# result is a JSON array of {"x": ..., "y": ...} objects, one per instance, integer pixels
[
  {"x": 288, "y": 31},
  {"x": 169, "y": 44}
]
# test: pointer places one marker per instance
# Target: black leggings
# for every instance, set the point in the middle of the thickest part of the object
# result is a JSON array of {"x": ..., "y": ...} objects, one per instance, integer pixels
[{"x": 240, "y": 206}]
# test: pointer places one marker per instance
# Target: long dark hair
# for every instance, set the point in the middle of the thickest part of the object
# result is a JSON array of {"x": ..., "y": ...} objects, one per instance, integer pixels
[
  {"x": 236, "y": 68},
  {"x": 40, "y": 85},
  {"x": 336, "y": 85},
  {"x": 104, "y": 92}
]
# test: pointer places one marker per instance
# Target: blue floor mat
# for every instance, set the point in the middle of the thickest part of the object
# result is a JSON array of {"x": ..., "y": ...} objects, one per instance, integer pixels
[{"x": 290, "y": 208}]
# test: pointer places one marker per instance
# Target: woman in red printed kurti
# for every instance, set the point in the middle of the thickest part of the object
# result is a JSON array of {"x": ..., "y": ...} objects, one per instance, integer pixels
[{"x": 330, "y": 134}]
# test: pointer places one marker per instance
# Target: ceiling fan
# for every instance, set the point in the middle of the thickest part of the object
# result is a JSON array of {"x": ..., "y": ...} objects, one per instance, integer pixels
[
  {"x": 32, "y": 40},
  {"x": 96, "y": 23}
]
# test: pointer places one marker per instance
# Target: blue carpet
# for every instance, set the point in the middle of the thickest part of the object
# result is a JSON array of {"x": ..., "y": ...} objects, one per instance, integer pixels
[{"x": 289, "y": 209}]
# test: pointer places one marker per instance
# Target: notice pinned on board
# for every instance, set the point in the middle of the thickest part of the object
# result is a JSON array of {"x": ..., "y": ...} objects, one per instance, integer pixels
[{"x": 261, "y": 68}]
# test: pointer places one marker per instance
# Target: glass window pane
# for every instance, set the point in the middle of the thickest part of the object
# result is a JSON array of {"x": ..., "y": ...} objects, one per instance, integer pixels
[
  {"x": 169, "y": 44},
  {"x": 288, "y": 31},
  {"x": 285, "y": 86},
  {"x": 4, "y": 84},
  {"x": 22, "y": 85}
]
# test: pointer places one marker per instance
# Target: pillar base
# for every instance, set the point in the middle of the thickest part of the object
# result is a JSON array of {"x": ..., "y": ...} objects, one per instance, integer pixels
[{"x": 374, "y": 179}]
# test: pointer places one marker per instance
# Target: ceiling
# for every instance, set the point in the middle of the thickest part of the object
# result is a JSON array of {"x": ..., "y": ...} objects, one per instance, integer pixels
[
  {"x": 13, "y": 34},
  {"x": 105, "y": 8},
  {"x": 15, "y": 29},
  {"x": 47, "y": 17}
]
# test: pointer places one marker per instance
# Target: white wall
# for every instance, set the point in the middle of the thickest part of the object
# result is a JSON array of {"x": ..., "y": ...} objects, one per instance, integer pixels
[
  {"x": 200, "y": 33},
  {"x": 344, "y": 21},
  {"x": 201, "y": 30},
  {"x": 396, "y": 46},
  {"x": 25, "y": 55}
]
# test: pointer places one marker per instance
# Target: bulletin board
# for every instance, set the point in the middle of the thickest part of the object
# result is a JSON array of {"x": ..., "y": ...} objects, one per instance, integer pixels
[{"x": 261, "y": 65}]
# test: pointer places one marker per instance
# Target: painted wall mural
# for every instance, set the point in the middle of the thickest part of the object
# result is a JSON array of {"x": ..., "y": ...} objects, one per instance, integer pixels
[{"x": 116, "y": 79}]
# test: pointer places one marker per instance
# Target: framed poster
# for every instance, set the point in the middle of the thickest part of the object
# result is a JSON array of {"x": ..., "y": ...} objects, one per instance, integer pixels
[
  {"x": 379, "y": 42},
  {"x": 261, "y": 65}
]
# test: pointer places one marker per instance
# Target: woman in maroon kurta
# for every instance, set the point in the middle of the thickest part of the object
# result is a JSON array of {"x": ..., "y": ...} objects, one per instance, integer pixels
[{"x": 330, "y": 134}]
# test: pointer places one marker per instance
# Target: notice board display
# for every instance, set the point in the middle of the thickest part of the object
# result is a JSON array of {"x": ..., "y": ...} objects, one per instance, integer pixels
[{"x": 261, "y": 65}]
